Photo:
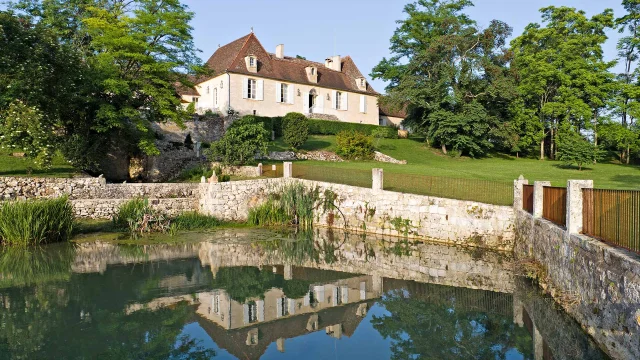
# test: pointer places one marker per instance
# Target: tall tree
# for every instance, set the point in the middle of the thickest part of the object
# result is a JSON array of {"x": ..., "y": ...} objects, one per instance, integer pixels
[
  {"x": 454, "y": 75},
  {"x": 562, "y": 75},
  {"x": 134, "y": 52}
]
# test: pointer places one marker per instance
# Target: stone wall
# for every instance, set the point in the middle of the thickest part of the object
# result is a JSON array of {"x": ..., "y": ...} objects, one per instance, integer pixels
[
  {"x": 107, "y": 208},
  {"x": 28, "y": 187},
  {"x": 599, "y": 285},
  {"x": 380, "y": 212}
]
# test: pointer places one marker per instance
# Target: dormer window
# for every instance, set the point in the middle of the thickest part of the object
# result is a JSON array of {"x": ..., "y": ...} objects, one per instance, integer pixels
[
  {"x": 312, "y": 74},
  {"x": 361, "y": 83},
  {"x": 252, "y": 63},
  {"x": 313, "y": 71}
]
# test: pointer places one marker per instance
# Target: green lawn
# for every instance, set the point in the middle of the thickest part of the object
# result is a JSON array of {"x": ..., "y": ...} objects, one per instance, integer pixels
[
  {"x": 427, "y": 161},
  {"x": 19, "y": 166}
]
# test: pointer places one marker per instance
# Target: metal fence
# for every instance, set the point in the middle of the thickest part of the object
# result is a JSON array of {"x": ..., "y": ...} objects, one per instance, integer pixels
[
  {"x": 491, "y": 192},
  {"x": 612, "y": 216},
  {"x": 269, "y": 171},
  {"x": 554, "y": 204},
  {"x": 351, "y": 177},
  {"x": 485, "y": 191},
  {"x": 527, "y": 198}
]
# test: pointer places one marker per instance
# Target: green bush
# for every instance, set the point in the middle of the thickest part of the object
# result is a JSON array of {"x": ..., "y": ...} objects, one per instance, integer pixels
[
  {"x": 269, "y": 123},
  {"x": 295, "y": 129},
  {"x": 354, "y": 145},
  {"x": 240, "y": 144},
  {"x": 194, "y": 221},
  {"x": 326, "y": 127},
  {"x": 35, "y": 222}
]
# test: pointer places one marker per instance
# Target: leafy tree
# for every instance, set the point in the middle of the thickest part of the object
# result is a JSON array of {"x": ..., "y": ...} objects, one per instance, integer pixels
[
  {"x": 620, "y": 138},
  {"x": 240, "y": 144},
  {"x": 573, "y": 148},
  {"x": 132, "y": 53},
  {"x": 454, "y": 75},
  {"x": 295, "y": 129},
  {"x": 562, "y": 75}
]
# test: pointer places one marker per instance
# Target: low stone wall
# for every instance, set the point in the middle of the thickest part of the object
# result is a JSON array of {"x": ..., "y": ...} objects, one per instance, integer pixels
[
  {"x": 380, "y": 212},
  {"x": 107, "y": 208},
  {"x": 604, "y": 281},
  {"x": 29, "y": 187}
]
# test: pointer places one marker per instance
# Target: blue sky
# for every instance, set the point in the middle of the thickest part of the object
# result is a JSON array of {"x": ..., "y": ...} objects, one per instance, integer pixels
[{"x": 359, "y": 28}]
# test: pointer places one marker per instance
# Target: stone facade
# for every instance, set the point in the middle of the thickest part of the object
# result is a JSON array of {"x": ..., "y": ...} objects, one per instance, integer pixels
[
  {"x": 381, "y": 212},
  {"x": 604, "y": 281}
]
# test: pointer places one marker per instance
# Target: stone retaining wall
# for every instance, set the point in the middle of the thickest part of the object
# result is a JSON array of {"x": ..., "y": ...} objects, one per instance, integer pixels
[
  {"x": 107, "y": 208},
  {"x": 603, "y": 280},
  {"x": 380, "y": 212}
]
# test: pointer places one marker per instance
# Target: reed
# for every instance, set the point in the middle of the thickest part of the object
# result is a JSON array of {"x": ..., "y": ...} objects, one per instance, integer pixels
[
  {"x": 292, "y": 205},
  {"x": 194, "y": 221},
  {"x": 35, "y": 222}
]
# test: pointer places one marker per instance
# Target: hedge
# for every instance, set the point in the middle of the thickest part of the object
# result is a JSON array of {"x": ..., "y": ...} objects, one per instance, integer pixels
[
  {"x": 322, "y": 127},
  {"x": 328, "y": 127}
]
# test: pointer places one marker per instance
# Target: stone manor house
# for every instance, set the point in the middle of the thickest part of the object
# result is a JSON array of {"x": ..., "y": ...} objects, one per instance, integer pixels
[{"x": 250, "y": 80}]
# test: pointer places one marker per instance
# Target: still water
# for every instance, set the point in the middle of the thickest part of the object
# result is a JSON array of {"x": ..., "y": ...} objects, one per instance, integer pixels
[{"x": 261, "y": 295}]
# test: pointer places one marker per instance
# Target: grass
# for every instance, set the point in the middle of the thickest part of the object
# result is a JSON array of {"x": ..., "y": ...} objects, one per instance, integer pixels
[
  {"x": 35, "y": 222},
  {"x": 423, "y": 160},
  {"x": 20, "y": 166}
]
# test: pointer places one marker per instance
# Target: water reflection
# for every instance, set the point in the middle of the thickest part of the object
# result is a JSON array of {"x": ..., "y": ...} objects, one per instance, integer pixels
[{"x": 242, "y": 294}]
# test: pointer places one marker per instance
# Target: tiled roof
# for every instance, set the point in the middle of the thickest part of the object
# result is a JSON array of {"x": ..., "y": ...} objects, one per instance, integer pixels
[
  {"x": 230, "y": 58},
  {"x": 185, "y": 90},
  {"x": 388, "y": 110}
]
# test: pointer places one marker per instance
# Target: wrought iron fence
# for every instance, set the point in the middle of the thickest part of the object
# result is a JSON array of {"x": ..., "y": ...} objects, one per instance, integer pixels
[
  {"x": 351, "y": 177},
  {"x": 527, "y": 198},
  {"x": 612, "y": 216},
  {"x": 554, "y": 204}
]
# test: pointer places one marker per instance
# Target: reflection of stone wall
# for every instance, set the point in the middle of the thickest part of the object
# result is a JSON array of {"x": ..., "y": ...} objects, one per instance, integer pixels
[
  {"x": 604, "y": 280},
  {"x": 381, "y": 212}
]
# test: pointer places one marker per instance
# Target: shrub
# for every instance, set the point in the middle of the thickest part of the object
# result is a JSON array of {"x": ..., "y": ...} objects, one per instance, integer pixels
[
  {"x": 240, "y": 144},
  {"x": 35, "y": 222},
  {"x": 354, "y": 145},
  {"x": 295, "y": 129},
  {"x": 194, "y": 221},
  {"x": 137, "y": 217},
  {"x": 269, "y": 123},
  {"x": 326, "y": 127}
]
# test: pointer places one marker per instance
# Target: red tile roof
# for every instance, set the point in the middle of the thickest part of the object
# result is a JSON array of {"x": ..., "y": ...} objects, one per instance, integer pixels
[{"x": 230, "y": 58}]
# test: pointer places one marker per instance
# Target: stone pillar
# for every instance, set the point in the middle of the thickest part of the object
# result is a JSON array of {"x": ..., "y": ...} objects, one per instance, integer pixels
[
  {"x": 574, "y": 204},
  {"x": 538, "y": 197},
  {"x": 377, "y": 179},
  {"x": 259, "y": 170},
  {"x": 517, "y": 311},
  {"x": 538, "y": 344},
  {"x": 288, "y": 169},
  {"x": 288, "y": 272},
  {"x": 517, "y": 192},
  {"x": 377, "y": 285}
]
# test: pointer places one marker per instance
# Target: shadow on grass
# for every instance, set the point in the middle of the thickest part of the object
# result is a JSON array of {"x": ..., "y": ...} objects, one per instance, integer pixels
[
  {"x": 627, "y": 180},
  {"x": 502, "y": 156},
  {"x": 571, "y": 167},
  {"x": 312, "y": 145},
  {"x": 387, "y": 147}
]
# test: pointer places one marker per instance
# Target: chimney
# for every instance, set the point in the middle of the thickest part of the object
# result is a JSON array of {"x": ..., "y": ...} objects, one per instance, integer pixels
[
  {"x": 280, "y": 51},
  {"x": 334, "y": 63}
]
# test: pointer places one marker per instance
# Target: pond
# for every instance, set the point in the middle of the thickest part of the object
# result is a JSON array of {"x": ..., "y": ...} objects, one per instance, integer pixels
[{"x": 258, "y": 294}]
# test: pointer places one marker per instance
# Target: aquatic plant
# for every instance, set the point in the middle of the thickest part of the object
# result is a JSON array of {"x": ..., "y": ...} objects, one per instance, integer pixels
[
  {"x": 193, "y": 220},
  {"x": 34, "y": 222},
  {"x": 138, "y": 217},
  {"x": 293, "y": 204}
]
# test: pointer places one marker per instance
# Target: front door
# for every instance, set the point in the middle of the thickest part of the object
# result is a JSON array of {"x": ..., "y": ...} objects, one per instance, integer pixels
[{"x": 312, "y": 102}]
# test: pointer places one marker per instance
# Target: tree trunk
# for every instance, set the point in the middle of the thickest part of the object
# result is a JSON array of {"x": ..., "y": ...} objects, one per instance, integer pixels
[
  {"x": 552, "y": 149},
  {"x": 628, "y": 154},
  {"x": 444, "y": 149},
  {"x": 542, "y": 149},
  {"x": 595, "y": 132}
]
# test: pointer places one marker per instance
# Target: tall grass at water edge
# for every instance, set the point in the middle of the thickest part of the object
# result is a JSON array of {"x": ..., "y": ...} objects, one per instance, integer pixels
[
  {"x": 35, "y": 222},
  {"x": 291, "y": 205}
]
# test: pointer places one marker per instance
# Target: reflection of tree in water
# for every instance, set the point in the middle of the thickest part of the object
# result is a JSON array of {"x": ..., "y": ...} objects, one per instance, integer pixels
[
  {"x": 246, "y": 282},
  {"x": 306, "y": 246},
  {"x": 68, "y": 315},
  {"x": 446, "y": 330}
]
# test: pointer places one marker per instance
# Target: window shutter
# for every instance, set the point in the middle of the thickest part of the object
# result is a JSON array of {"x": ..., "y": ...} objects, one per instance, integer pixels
[
  {"x": 290, "y": 91},
  {"x": 279, "y": 307},
  {"x": 345, "y": 101},
  {"x": 319, "y": 104},
  {"x": 245, "y": 87},
  {"x": 334, "y": 298},
  {"x": 363, "y": 290},
  {"x": 334, "y": 99},
  {"x": 305, "y": 103},
  {"x": 245, "y": 310},
  {"x": 319, "y": 290},
  {"x": 260, "y": 92},
  {"x": 278, "y": 92},
  {"x": 345, "y": 294},
  {"x": 260, "y": 309},
  {"x": 307, "y": 299},
  {"x": 362, "y": 104}
]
